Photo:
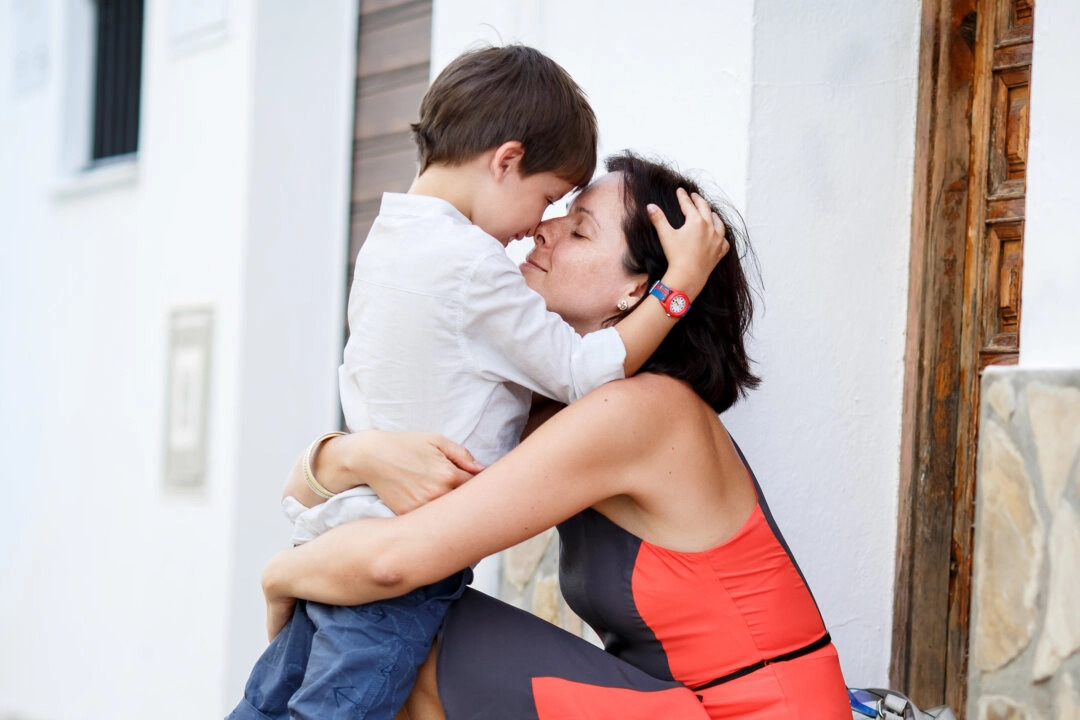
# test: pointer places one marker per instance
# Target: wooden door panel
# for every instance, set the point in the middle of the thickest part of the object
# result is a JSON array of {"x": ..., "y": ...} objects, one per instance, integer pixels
[
  {"x": 993, "y": 259},
  {"x": 1001, "y": 293},
  {"x": 985, "y": 102}
]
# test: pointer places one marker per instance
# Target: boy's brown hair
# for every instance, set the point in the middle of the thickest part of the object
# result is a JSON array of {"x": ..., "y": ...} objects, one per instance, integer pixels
[{"x": 494, "y": 95}]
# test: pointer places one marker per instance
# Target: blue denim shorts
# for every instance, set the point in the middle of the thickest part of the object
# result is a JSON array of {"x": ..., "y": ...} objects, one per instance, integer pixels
[{"x": 352, "y": 662}]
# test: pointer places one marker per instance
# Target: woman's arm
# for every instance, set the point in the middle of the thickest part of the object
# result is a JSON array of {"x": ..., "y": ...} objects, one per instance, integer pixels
[
  {"x": 583, "y": 455},
  {"x": 406, "y": 470}
]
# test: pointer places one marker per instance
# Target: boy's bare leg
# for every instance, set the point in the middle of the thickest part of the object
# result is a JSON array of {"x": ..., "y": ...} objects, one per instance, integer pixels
[{"x": 423, "y": 702}]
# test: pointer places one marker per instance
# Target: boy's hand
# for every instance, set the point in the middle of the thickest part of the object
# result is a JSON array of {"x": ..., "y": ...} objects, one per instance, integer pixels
[
  {"x": 694, "y": 249},
  {"x": 408, "y": 470}
]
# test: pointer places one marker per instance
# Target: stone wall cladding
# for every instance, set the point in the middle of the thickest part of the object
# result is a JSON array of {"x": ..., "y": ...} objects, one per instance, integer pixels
[{"x": 1026, "y": 599}]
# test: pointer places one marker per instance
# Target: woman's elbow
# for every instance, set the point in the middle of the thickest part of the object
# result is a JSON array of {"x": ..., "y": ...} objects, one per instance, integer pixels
[
  {"x": 388, "y": 571},
  {"x": 384, "y": 565},
  {"x": 392, "y": 572}
]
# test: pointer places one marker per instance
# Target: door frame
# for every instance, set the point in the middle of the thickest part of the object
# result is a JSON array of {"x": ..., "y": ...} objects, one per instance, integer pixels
[
  {"x": 925, "y": 648},
  {"x": 964, "y": 307}
]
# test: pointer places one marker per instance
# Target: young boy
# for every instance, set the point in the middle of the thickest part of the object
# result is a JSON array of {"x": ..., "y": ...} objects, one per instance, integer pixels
[{"x": 446, "y": 337}]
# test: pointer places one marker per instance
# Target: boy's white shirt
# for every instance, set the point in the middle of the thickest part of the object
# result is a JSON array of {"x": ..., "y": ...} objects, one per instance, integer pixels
[{"x": 446, "y": 337}]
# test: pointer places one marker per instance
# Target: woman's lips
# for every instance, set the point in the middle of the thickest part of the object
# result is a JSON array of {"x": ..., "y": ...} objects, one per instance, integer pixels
[{"x": 530, "y": 264}]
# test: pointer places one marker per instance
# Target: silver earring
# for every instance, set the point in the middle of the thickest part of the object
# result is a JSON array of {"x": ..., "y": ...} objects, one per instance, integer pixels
[{"x": 623, "y": 305}]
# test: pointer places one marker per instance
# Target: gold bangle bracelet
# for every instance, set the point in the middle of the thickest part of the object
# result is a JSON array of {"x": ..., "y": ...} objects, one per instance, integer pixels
[{"x": 315, "y": 485}]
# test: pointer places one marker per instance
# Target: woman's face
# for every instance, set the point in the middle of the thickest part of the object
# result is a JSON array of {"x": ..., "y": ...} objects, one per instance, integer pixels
[{"x": 576, "y": 264}]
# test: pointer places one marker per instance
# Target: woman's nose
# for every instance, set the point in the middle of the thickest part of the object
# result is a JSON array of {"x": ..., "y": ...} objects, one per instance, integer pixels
[
  {"x": 546, "y": 232},
  {"x": 540, "y": 235}
]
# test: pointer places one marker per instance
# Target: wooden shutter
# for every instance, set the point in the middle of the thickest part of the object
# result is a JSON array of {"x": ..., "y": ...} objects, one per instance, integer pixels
[{"x": 393, "y": 62}]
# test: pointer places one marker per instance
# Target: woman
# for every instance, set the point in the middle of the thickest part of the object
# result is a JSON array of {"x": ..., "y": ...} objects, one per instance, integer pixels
[{"x": 668, "y": 548}]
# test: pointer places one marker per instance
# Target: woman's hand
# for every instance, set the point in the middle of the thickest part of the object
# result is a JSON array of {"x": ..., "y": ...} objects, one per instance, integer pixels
[
  {"x": 405, "y": 469},
  {"x": 279, "y": 610},
  {"x": 408, "y": 470},
  {"x": 278, "y": 614},
  {"x": 694, "y": 249}
]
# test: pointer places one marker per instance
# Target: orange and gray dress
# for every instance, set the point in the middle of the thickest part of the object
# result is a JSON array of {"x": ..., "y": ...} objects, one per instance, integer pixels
[{"x": 731, "y": 632}]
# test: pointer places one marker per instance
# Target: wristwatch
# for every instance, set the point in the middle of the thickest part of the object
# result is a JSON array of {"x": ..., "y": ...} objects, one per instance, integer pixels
[{"x": 675, "y": 302}]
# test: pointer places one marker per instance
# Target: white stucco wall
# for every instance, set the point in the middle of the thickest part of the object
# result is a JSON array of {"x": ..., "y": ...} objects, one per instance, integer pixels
[
  {"x": 136, "y": 600},
  {"x": 293, "y": 278},
  {"x": 831, "y": 166},
  {"x": 814, "y": 141},
  {"x": 672, "y": 83},
  {"x": 113, "y": 581},
  {"x": 1050, "y": 320}
]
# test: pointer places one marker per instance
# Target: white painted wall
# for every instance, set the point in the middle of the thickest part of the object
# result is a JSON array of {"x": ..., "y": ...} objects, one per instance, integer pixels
[
  {"x": 804, "y": 115},
  {"x": 831, "y": 167},
  {"x": 1050, "y": 322},
  {"x": 119, "y": 598},
  {"x": 672, "y": 83},
  {"x": 116, "y": 583},
  {"x": 293, "y": 278}
]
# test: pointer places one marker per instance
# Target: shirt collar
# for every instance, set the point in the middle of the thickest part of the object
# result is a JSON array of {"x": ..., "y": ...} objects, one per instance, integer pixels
[{"x": 411, "y": 205}]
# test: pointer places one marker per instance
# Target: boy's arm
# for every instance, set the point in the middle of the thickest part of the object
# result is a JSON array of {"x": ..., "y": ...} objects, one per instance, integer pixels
[{"x": 692, "y": 252}]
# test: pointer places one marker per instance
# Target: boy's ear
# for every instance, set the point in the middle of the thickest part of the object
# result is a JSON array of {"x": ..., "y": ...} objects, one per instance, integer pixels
[{"x": 507, "y": 159}]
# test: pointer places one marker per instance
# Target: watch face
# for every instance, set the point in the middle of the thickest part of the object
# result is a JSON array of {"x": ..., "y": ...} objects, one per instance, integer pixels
[{"x": 677, "y": 306}]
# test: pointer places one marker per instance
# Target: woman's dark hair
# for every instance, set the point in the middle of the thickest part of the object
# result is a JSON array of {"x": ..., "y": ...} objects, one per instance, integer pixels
[{"x": 706, "y": 348}]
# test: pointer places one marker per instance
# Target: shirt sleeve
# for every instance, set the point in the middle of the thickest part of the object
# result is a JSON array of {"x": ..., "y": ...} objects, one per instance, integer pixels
[
  {"x": 510, "y": 335},
  {"x": 354, "y": 504}
]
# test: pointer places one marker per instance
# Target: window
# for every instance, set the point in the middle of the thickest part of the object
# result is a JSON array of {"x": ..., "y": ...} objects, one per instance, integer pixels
[{"x": 117, "y": 78}]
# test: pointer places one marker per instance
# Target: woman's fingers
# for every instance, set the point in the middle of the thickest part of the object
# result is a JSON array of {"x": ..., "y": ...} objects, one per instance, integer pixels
[
  {"x": 457, "y": 454},
  {"x": 409, "y": 469},
  {"x": 278, "y": 613}
]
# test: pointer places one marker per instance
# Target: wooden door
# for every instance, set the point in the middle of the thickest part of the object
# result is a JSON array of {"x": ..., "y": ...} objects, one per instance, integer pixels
[{"x": 964, "y": 314}]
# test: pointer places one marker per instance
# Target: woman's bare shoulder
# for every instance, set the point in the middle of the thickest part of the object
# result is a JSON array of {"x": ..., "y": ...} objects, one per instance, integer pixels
[
  {"x": 644, "y": 400},
  {"x": 644, "y": 391}
]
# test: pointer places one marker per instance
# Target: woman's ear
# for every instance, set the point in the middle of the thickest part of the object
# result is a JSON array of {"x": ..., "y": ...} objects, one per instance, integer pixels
[
  {"x": 640, "y": 286},
  {"x": 632, "y": 293},
  {"x": 507, "y": 159}
]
